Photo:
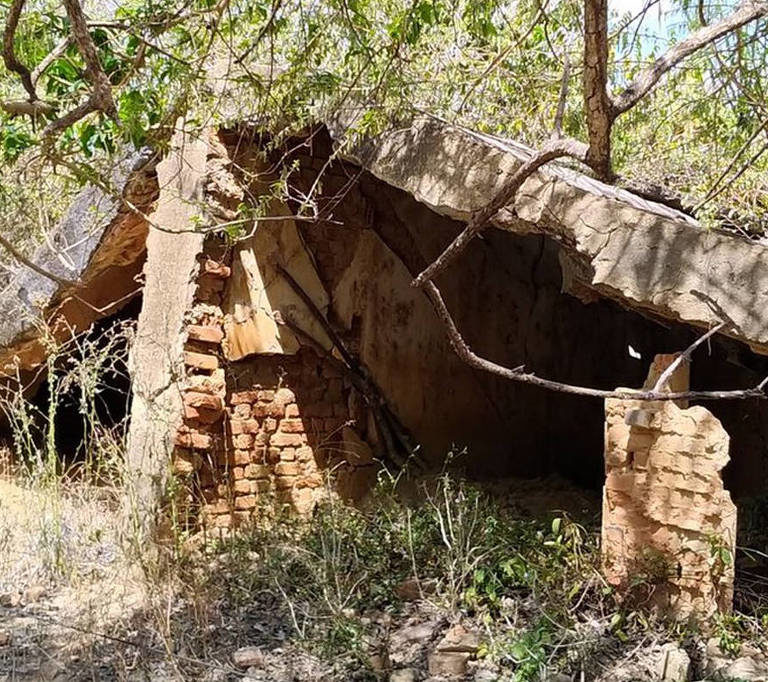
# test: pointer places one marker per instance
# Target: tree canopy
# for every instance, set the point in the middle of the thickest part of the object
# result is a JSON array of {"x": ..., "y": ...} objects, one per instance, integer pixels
[{"x": 515, "y": 68}]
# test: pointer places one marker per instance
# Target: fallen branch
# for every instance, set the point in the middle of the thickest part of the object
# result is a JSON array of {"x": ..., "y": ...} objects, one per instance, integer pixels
[
  {"x": 388, "y": 424},
  {"x": 33, "y": 266},
  {"x": 466, "y": 354}
]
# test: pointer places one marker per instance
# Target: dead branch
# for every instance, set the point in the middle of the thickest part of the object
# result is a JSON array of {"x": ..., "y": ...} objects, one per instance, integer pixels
[
  {"x": 31, "y": 265},
  {"x": 466, "y": 354},
  {"x": 318, "y": 315},
  {"x": 23, "y": 107},
  {"x": 52, "y": 56},
  {"x": 553, "y": 149},
  {"x": 561, "y": 100},
  {"x": 746, "y": 12},
  {"x": 389, "y": 425},
  {"x": 685, "y": 356}
]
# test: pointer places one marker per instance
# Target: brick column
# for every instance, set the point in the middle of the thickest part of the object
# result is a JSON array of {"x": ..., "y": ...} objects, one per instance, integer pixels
[{"x": 669, "y": 526}]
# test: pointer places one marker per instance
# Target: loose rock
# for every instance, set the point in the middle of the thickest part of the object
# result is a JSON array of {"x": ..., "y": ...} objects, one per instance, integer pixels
[
  {"x": 248, "y": 657},
  {"x": 448, "y": 663},
  {"x": 674, "y": 664},
  {"x": 403, "y": 675},
  {"x": 459, "y": 639}
]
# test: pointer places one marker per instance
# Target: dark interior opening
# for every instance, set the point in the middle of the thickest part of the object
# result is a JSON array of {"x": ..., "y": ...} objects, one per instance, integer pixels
[{"x": 111, "y": 392}]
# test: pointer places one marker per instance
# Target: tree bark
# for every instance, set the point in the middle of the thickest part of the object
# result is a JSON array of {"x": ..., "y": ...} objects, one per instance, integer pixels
[{"x": 597, "y": 103}]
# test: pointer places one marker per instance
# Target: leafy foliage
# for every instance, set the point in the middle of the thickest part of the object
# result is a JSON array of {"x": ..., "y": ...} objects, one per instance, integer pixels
[{"x": 494, "y": 65}]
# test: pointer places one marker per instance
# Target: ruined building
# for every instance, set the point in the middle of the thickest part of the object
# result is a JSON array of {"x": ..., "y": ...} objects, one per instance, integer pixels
[{"x": 300, "y": 350}]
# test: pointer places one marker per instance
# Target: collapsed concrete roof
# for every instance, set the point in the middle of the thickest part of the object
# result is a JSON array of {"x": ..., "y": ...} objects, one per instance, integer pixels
[
  {"x": 644, "y": 255},
  {"x": 95, "y": 251}
]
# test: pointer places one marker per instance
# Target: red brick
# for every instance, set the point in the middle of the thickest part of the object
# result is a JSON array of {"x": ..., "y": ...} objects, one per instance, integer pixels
[
  {"x": 284, "y": 396},
  {"x": 215, "y": 269},
  {"x": 265, "y": 395},
  {"x": 194, "y": 414},
  {"x": 261, "y": 485},
  {"x": 223, "y": 521},
  {"x": 219, "y": 507},
  {"x": 243, "y": 441},
  {"x": 288, "y": 439},
  {"x": 193, "y": 439},
  {"x": 288, "y": 454},
  {"x": 287, "y": 469},
  {"x": 273, "y": 455},
  {"x": 201, "y": 361},
  {"x": 292, "y": 410},
  {"x": 243, "y": 486},
  {"x": 241, "y": 411},
  {"x": 244, "y": 426},
  {"x": 242, "y": 397},
  {"x": 310, "y": 481},
  {"x": 305, "y": 454},
  {"x": 242, "y": 456},
  {"x": 268, "y": 410},
  {"x": 238, "y": 472},
  {"x": 283, "y": 482},
  {"x": 203, "y": 401},
  {"x": 205, "y": 334},
  {"x": 270, "y": 424},
  {"x": 292, "y": 426},
  {"x": 257, "y": 471},
  {"x": 246, "y": 502}
]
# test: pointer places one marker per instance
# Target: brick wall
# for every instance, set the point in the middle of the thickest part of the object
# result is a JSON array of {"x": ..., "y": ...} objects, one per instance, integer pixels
[{"x": 261, "y": 431}]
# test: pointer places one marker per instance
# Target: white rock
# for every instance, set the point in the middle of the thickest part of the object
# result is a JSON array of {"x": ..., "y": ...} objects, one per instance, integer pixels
[
  {"x": 403, "y": 675},
  {"x": 674, "y": 664},
  {"x": 746, "y": 670}
]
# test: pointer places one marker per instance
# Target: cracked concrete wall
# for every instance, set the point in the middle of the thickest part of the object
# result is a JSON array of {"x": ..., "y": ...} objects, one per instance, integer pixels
[
  {"x": 668, "y": 526},
  {"x": 156, "y": 359}
]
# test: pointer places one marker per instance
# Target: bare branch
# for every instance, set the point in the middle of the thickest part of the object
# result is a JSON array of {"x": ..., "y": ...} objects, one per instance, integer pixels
[
  {"x": 553, "y": 149},
  {"x": 23, "y": 107},
  {"x": 52, "y": 56},
  {"x": 560, "y": 112},
  {"x": 33, "y": 266},
  {"x": 100, "y": 98},
  {"x": 685, "y": 356},
  {"x": 746, "y": 12},
  {"x": 9, "y": 54},
  {"x": 466, "y": 354}
]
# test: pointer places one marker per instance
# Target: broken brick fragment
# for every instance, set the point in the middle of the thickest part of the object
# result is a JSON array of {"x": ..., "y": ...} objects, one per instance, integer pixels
[
  {"x": 205, "y": 334},
  {"x": 201, "y": 361}
]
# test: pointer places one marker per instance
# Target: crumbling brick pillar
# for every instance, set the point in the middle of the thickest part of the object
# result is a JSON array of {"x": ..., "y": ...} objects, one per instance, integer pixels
[{"x": 669, "y": 526}]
